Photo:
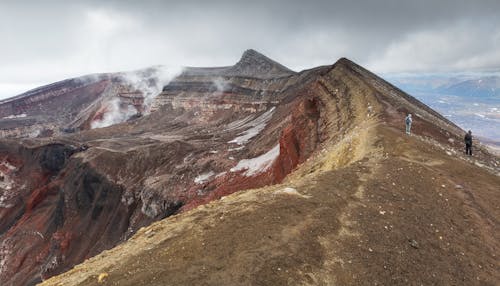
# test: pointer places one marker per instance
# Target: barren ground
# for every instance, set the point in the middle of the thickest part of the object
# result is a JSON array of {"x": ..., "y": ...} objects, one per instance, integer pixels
[{"x": 376, "y": 208}]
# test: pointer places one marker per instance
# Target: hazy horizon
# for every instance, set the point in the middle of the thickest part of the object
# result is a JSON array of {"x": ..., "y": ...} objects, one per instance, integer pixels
[{"x": 60, "y": 39}]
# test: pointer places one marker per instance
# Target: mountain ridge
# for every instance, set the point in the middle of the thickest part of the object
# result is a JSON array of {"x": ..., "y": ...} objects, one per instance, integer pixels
[
  {"x": 371, "y": 205},
  {"x": 314, "y": 146}
]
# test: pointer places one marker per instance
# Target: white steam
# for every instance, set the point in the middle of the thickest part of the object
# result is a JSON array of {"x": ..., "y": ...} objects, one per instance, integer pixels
[
  {"x": 114, "y": 114},
  {"x": 148, "y": 82},
  {"x": 220, "y": 84}
]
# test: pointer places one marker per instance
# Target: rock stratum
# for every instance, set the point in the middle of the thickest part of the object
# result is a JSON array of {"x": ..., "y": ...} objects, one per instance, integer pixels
[{"x": 250, "y": 174}]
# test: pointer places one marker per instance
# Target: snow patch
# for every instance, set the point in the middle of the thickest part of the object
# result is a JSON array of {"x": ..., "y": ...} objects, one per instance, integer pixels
[
  {"x": 258, "y": 164},
  {"x": 6, "y": 184},
  {"x": 22, "y": 115},
  {"x": 236, "y": 149},
  {"x": 291, "y": 191},
  {"x": 257, "y": 125},
  {"x": 220, "y": 174},
  {"x": 34, "y": 133},
  {"x": 203, "y": 177},
  {"x": 238, "y": 123}
]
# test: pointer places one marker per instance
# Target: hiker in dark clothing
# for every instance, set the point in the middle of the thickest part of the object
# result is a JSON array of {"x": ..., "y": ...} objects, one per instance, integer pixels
[{"x": 468, "y": 143}]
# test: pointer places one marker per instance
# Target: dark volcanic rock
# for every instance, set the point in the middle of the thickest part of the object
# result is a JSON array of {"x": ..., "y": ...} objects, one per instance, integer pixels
[
  {"x": 211, "y": 132},
  {"x": 54, "y": 156},
  {"x": 88, "y": 190}
]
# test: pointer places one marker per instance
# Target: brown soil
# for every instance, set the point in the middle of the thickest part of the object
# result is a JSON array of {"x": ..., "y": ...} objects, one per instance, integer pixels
[
  {"x": 375, "y": 208},
  {"x": 356, "y": 201}
]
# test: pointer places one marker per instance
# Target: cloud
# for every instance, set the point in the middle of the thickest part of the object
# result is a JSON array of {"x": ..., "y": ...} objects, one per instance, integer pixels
[
  {"x": 61, "y": 39},
  {"x": 463, "y": 46}
]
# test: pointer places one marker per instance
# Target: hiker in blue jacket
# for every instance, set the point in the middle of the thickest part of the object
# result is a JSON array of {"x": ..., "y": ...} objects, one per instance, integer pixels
[{"x": 408, "y": 123}]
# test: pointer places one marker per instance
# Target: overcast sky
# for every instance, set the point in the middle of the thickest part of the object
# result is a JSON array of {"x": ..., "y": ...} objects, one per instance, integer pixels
[{"x": 46, "y": 41}]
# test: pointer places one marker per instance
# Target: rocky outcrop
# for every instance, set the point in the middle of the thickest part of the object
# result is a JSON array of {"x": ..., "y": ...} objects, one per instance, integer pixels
[
  {"x": 92, "y": 188},
  {"x": 255, "y": 65},
  {"x": 211, "y": 132},
  {"x": 77, "y": 104},
  {"x": 337, "y": 193}
]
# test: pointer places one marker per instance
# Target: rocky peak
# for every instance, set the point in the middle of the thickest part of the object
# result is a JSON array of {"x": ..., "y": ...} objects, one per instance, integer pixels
[{"x": 255, "y": 64}]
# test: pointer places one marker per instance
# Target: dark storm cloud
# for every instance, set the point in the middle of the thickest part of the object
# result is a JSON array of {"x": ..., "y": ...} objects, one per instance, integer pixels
[{"x": 44, "y": 41}]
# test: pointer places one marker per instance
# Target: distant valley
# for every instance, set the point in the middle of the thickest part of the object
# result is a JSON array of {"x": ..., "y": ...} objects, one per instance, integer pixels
[{"x": 471, "y": 101}]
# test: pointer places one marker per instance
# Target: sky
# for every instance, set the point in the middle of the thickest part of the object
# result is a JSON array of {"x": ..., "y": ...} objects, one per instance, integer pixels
[{"x": 47, "y": 41}]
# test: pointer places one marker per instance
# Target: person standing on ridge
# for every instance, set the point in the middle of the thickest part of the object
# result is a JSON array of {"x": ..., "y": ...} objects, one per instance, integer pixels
[
  {"x": 408, "y": 122},
  {"x": 468, "y": 143}
]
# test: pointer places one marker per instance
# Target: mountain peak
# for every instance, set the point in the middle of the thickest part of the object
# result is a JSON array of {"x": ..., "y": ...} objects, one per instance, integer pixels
[
  {"x": 252, "y": 54},
  {"x": 255, "y": 64}
]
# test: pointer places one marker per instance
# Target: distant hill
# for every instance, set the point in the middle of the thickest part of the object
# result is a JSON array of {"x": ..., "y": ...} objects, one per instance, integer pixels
[
  {"x": 472, "y": 102},
  {"x": 481, "y": 87},
  {"x": 459, "y": 84}
]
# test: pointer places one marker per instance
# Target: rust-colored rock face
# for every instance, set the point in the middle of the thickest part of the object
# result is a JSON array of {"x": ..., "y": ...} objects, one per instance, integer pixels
[
  {"x": 78, "y": 189},
  {"x": 209, "y": 133}
]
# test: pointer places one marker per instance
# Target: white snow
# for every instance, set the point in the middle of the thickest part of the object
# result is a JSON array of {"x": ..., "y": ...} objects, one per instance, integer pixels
[
  {"x": 479, "y": 115},
  {"x": 238, "y": 123},
  {"x": 203, "y": 177},
  {"x": 34, "y": 133},
  {"x": 8, "y": 166},
  {"x": 292, "y": 192},
  {"x": 220, "y": 174},
  {"x": 258, "y": 164},
  {"x": 6, "y": 185},
  {"x": 257, "y": 125},
  {"x": 16, "y": 116},
  {"x": 5, "y": 196},
  {"x": 236, "y": 148}
]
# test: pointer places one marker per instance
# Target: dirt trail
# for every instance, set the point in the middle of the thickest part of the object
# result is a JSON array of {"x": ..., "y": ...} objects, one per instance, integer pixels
[
  {"x": 397, "y": 213},
  {"x": 371, "y": 206}
]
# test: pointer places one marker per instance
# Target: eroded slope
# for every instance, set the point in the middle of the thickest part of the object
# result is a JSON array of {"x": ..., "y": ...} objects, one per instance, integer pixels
[
  {"x": 389, "y": 216},
  {"x": 369, "y": 206},
  {"x": 68, "y": 198}
]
